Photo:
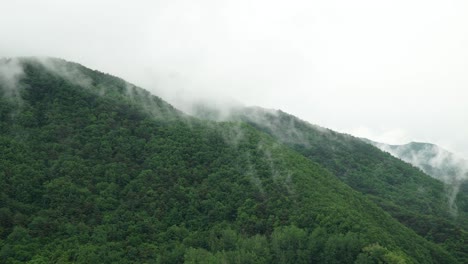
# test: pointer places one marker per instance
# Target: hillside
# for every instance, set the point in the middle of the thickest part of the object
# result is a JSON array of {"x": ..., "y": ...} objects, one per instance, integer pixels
[
  {"x": 438, "y": 163},
  {"x": 409, "y": 195},
  {"x": 95, "y": 170},
  {"x": 432, "y": 159}
]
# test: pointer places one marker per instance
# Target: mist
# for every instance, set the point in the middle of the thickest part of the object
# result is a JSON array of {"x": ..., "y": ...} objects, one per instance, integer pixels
[
  {"x": 436, "y": 162},
  {"x": 384, "y": 70},
  {"x": 10, "y": 72}
]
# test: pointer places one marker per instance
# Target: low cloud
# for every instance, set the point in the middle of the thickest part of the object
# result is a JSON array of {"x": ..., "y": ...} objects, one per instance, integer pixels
[
  {"x": 10, "y": 74},
  {"x": 389, "y": 136},
  {"x": 68, "y": 71},
  {"x": 436, "y": 162}
]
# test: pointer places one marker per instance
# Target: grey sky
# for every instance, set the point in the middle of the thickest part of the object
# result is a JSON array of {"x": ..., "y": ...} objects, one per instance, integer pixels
[{"x": 393, "y": 71}]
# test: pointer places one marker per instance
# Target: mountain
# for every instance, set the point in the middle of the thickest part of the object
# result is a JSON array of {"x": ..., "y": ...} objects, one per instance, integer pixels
[
  {"x": 432, "y": 159},
  {"x": 438, "y": 163},
  {"x": 96, "y": 170},
  {"x": 415, "y": 199}
]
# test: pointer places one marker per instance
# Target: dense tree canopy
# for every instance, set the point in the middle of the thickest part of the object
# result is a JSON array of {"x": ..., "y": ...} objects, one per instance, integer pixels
[
  {"x": 95, "y": 170},
  {"x": 415, "y": 199}
]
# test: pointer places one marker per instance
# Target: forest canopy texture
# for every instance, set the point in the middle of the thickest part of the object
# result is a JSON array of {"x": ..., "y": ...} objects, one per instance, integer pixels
[{"x": 96, "y": 170}]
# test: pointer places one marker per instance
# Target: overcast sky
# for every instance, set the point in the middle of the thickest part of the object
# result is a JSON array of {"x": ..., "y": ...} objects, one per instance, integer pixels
[{"x": 393, "y": 71}]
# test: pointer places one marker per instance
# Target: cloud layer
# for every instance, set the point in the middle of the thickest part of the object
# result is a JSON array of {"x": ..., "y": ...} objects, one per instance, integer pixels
[{"x": 382, "y": 66}]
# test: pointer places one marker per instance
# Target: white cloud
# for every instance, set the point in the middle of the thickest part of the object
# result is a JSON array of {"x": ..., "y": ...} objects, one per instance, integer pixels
[
  {"x": 393, "y": 136},
  {"x": 341, "y": 64}
]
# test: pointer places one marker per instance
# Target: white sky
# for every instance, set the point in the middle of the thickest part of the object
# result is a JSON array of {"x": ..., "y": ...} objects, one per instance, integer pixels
[{"x": 393, "y": 71}]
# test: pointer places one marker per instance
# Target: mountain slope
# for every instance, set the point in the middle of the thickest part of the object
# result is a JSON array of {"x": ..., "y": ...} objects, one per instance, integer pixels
[
  {"x": 89, "y": 174},
  {"x": 412, "y": 197},
  {"x": 438, "y": 163},
  {"x": 432, "y": 159}
]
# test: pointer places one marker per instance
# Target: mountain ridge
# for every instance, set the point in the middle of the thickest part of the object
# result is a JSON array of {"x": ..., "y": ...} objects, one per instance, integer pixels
[
  {"x": 439, "y": 164},
  {"x": 90, "y": 174},
  {"x": 402, "y": 190}
]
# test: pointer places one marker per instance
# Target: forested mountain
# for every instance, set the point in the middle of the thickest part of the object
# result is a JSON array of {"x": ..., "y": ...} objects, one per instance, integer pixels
[
  {"x": 438, "y": 163},
  {"x": 95, "y": 170},
  {"x": 432, "y": 159},
  {"x": 415, "y": 199}
]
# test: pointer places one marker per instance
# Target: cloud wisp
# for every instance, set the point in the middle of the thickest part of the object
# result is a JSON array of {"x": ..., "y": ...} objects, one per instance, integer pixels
[{"x": 436, "y": 162}]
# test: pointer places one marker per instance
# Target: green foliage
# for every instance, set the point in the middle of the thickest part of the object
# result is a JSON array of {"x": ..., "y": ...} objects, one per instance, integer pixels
[
  {"x": 103, "y": 173},
  {"x": 375, "y": 253},
  {"x": 415, "y": 199}
]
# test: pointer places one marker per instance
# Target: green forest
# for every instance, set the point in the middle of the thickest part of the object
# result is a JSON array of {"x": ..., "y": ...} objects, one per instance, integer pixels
[
  {"x": 416, "y": 200},
  {"x": 96, "y": 170}
]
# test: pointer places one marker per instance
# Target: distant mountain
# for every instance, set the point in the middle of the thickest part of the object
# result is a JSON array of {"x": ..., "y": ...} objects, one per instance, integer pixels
[
  {"x": 432, "y": 159},
  {"x": 417, "y": 200},
  {"x": 438, "y": 163},
  {"x": 96, "y": 170}
]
